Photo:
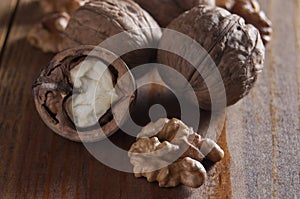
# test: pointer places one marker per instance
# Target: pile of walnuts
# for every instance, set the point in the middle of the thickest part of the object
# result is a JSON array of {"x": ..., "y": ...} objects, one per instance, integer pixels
[{"x": 233, "y": 33}]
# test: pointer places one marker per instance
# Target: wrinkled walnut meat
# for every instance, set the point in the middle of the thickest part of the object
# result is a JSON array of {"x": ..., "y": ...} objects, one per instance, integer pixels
[
  {"x": 83, "y": 93},
  {"x": 164, "y": 11},
  {"x": 47, "y": 35},
  {"x": 169, "y": 152},
  {"x": 234, "y": 47},
  {"x": 68, "y": 6},
  {"x": 251, "y": 12}
]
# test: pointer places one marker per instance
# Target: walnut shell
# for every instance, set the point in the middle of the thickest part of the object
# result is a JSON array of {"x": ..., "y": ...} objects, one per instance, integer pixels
[
  {"x": 99, "y": 20},
  {"x": 164, "y": 11},
  {"x": 235, "y": 48},
  {"x": 55, "y": 89},
  {"x": 251, "y": 12}
]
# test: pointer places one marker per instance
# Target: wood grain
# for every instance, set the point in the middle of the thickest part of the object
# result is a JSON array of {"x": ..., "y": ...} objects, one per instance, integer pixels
[
  {"x": 8, "y": 11},
  {"x": 263, "y": 128},
  {"x": 260, "y": 139}
]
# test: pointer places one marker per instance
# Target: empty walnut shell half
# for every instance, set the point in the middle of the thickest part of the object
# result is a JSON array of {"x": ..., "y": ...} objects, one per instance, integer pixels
[
  {"x": 84, "y": 93},
  {"x": 164, "y": 11},
  {"x": 234, "y": 48},
  {"x": 97, "y": 21}
]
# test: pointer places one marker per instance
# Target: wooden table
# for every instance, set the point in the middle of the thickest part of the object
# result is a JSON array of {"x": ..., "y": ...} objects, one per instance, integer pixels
[{"x": 260, "y": 138}]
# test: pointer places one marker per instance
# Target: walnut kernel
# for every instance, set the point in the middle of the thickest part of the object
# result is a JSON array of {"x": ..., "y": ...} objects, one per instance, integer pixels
[
  {"x": 82, "y": 98},
  {"x": 169, "y": 152}
]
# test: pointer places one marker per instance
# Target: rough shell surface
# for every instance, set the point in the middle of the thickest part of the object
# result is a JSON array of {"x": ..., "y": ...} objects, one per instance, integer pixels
[
  {"x": 53, "y": 89},
  {"x": 236, "y": 49},
  {"x": 251, "y": 12},
  {"x": 99, "y": 20}
]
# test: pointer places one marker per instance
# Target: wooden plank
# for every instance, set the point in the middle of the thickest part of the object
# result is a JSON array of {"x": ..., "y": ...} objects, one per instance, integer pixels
[
  {"x": 7, "y": 10},
  {"x": 260, "y": 139},
  {"x": 263, "y": 129}
]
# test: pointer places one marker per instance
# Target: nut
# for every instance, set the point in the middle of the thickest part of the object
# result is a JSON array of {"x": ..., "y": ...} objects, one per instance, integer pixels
[
  {"x": 167, "y": 10},
  {"x": 98, "y": 20},
  {"x": 48, "y": 33},
  {"x": 234, "y": 47},
  {"x": 68, "y": 6},
  {"x": 170, "y": 152},
  {"x": 85, "y": 78},
  {"x": 251, "y": 12},
  {"x": 80, "y": 97}
]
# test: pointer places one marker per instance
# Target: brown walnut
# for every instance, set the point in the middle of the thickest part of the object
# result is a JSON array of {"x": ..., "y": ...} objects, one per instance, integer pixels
[
  {"x": 235, "y": 48},
  {"x": 251, "y": 12},
  {"x": 84, "y": 94},
  {"x": 99, "y": 20},
  {"x": 170, "y": 152},
  {"x": 164, "y": 11}
]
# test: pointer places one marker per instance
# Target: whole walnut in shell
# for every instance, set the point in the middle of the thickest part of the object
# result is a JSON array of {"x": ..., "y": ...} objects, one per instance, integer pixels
[
  {"x": 164, "y": 11},
  {"x": 84, "y": 94},
  {"x": 97, "y": 21},
  {"x": 170, "y": 152},
  {"x": 234, "y": 49}
]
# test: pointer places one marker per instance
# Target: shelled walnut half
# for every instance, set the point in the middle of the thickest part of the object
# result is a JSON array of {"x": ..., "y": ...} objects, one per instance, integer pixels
[
  {"x": 84, "y": 93},
  {"x": 170, "y": 152}
]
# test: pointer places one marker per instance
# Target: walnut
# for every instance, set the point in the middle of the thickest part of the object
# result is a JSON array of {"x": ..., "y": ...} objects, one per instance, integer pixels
[
  {"x": 251, "y": 12},
  {"x": 98, "y": 20},
  {"x": 234, "y": 47},
  {"x": 82, "y": 90},
  {"x": 47, "y": 35},
  {"x": 164, "y": 11},
  {"x": 85, "y": 78},
  {"x": 170, "y": 152},
  {"x": 68, "y": 6}
]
